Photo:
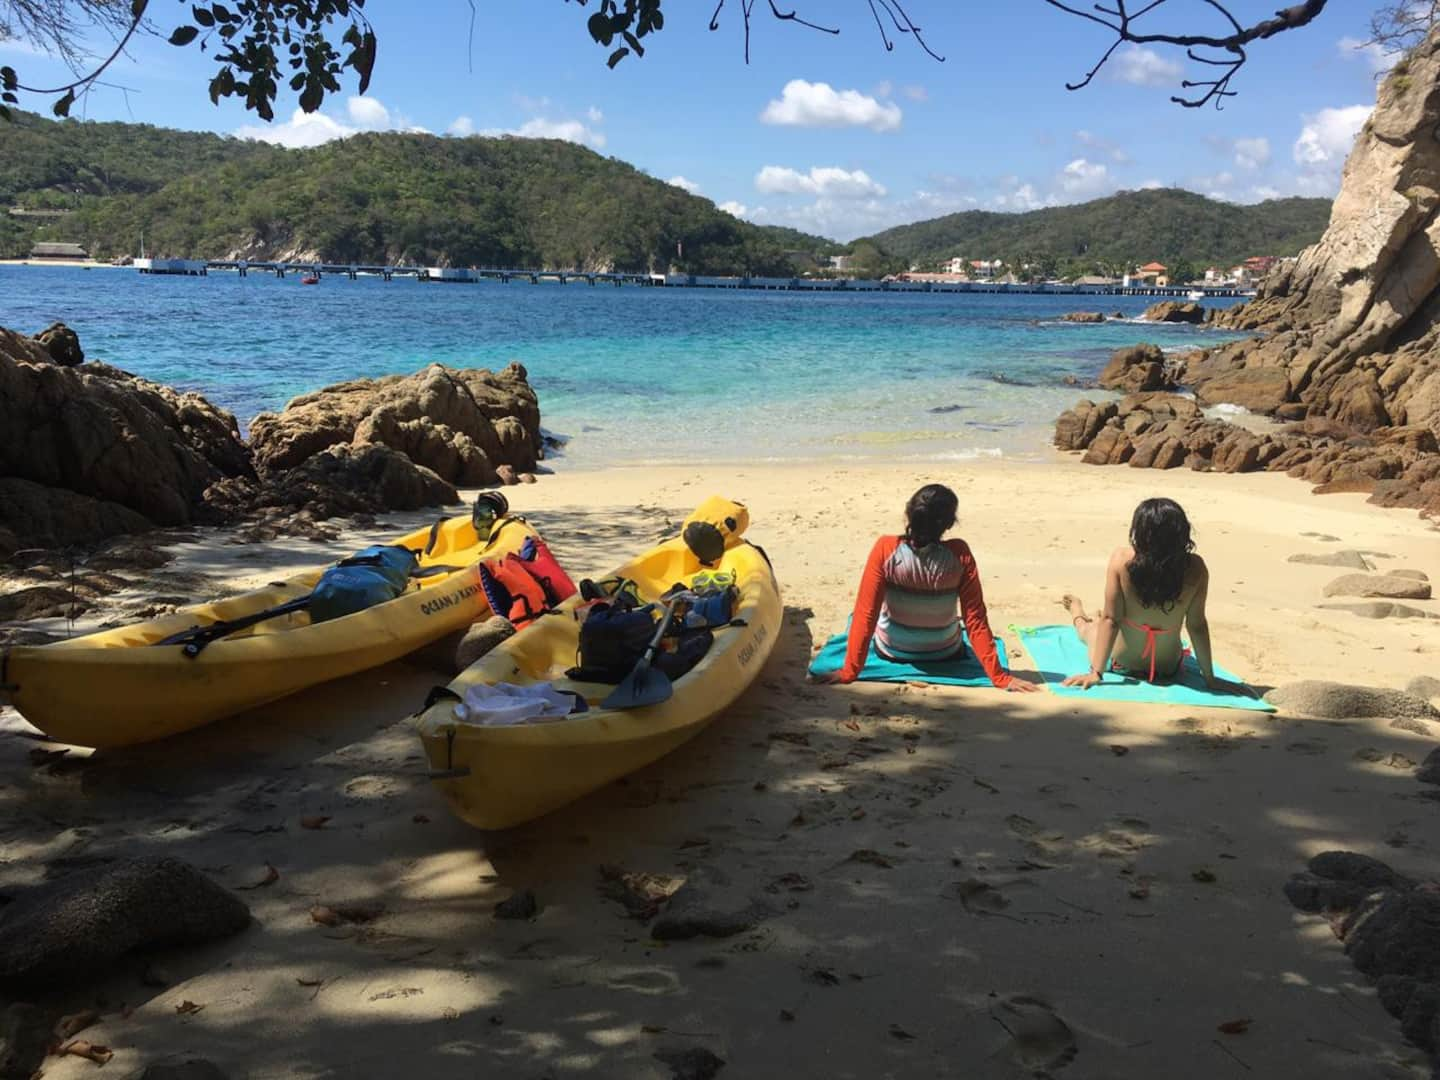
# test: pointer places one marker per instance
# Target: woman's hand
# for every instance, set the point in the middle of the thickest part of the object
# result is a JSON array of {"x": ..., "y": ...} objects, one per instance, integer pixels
[
  {"x": 1020, "y": 686},
  {"x": 833, "y": 678},
  {"x": 1084, "y": 682}
]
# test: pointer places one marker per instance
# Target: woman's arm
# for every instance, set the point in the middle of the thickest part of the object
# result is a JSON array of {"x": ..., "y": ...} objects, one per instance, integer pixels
[
  {"x": 1107, "y": 625},
  {"x": 868, "y": 601},
  {"x": 977, "y": 620},
  {"x": 1199, "y": 626}
]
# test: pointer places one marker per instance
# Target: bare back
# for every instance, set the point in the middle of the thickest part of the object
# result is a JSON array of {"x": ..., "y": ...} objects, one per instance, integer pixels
[{"x": 1141, "y": 624}]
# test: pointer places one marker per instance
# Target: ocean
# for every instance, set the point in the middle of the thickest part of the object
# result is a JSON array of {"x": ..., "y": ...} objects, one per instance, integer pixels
[{"x": 629, "y": 375}]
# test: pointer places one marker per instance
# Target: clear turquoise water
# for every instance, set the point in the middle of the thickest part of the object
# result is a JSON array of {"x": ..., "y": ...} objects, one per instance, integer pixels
[{"x": 630, "y": 374}]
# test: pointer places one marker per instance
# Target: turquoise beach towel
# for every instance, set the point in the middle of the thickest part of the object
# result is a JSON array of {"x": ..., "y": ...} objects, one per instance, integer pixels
[
  {"x": 1058, "y": 653},
  {"x": 962, "y": 671}
]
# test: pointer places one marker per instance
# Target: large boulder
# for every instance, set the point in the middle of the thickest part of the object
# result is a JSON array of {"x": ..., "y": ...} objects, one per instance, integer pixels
[
  {"x": 73, "y": 928},
  {"x": 61, "y": 344},
  {"x": 461, "y": 424},
  {"x": 1174, "y": 311},
  {"x": 1137, "y": 369},
  {"x": 346, "y": 480},
  {"x": 104, "y": 442}
]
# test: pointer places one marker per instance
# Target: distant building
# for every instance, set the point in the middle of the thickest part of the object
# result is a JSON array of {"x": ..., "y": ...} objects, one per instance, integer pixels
[
  {"x": 1258, "y": 266},
  {"x": 985, "y": 268},
  {"x": 1214, "y": 275},
  {"x": 841, "y": 262},
  {"x": 58, "y": 251},
  {"x": 1152, "y": 273},
  {"x": 1096, "y": 279},
  {"x": 957, "y": 266}
]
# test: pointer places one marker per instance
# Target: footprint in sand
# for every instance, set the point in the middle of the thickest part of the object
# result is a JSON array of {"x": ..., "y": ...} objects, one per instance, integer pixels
[{"x": 1041, "y": 1041}]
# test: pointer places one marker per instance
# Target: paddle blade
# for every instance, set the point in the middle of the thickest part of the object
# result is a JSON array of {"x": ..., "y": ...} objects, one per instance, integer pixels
[{"x": 643, "y": 686}]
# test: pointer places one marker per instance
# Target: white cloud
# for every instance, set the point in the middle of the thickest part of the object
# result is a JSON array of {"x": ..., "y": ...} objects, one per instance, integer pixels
[
  {"x": 302, "y": 129},
  {"x": 595, "y": 115},
  {"x": 807, "y": 104},
  {"x": 1143, "y": 67},
  {"x": 1083, "y": 179},
  {"x": 736, "y": 209},
  {"x": 885, "y": 89},
  {"x": 1151, "y": 185},
  {"x": 685, "y": 185},
  {"x": 825, "y": 181},
  {"x": 1376, "y": 56},
  {"x": 368, "y": 113},
  {"x": 1114, "y": 151},
  {"x": 915, "y": 92},
  {"x": 566, "y": 130},
  {"x": 461, "y": 126},
  {"x": 1261, "y": 192},
  {"x": 1023, "y": 197},
  {"x": 1252, "y": 153},
  {"x": 1328, "y": 135},
  {"x": 312, "y": 129}
]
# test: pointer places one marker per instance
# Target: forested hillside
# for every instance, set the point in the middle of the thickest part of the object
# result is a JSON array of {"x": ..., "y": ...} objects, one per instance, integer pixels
[
  {"x": 1115, "y": 233},
  {"x": 373, "y": 198}
]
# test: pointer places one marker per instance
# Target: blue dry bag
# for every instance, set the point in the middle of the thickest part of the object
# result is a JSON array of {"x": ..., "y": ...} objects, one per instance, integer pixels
[{"x": 369, "y": 577}]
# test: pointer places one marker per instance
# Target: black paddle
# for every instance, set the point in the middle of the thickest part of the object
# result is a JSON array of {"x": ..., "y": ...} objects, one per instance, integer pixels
[
  {"x": 197, "y": 637},
  {"x": 644, "y": 685}
]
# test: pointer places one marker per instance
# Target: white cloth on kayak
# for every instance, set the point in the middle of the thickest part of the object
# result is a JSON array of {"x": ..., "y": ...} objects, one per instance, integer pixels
[{"x": 506, "y": 703}]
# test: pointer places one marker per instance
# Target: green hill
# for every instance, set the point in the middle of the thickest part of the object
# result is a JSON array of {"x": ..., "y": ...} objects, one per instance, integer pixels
[
  {"x": 371, "y": 198},
  {"x": 1115, "y": 233}
]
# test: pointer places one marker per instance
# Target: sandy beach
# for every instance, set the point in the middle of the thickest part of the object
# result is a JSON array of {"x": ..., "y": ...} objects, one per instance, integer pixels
[{"x": 957, "y": 882}]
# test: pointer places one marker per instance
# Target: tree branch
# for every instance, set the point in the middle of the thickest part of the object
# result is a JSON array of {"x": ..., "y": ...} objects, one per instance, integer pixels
[{"x": 1231, "y": 46}]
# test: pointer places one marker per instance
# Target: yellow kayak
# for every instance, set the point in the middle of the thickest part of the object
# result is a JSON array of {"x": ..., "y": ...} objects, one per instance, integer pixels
[
  {"x": 118, "y": 687},
  {"x": 494, "y": 777}
]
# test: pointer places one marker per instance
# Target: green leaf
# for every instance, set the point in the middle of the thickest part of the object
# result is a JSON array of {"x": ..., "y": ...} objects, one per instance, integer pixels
[
  {"x": 616, "y": 56},
  {"x": 203, "y": 17},
  {"x": 183, "y": 35},
  {"x": 221, "y": 13},
  {"x": 62, "y": 107},
  {"x": 599, "y": 27},
  {"x": 8, "y": 79}
]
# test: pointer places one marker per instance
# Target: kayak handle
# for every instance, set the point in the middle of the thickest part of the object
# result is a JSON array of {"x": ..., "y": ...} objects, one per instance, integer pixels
[{"x": 450, "y": 774}]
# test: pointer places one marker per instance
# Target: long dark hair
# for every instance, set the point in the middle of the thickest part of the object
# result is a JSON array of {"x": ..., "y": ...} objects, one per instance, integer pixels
[
  {"x": 1160, "y": 535},
  {"x": 929, "y": 514}
]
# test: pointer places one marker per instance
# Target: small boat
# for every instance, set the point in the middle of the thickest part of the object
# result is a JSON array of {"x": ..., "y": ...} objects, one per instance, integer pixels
[
  {"x": 310, "y": 279},
  {"x": 494, "y": 777},
  {"x": 120, "y": 687},
  {"x": 1194, "y": 294}
]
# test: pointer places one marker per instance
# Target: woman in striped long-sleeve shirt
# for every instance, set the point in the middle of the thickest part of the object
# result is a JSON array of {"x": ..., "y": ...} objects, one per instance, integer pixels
[{"x": 908, "y": 596}]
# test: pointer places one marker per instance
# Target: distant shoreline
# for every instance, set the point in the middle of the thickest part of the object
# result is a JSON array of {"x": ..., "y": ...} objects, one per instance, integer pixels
[{"x": 82, "y": 264}]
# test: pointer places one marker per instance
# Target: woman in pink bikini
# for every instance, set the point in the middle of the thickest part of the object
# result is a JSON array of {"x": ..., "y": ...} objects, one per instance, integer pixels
[
  {"x": 1152, "y": 588},
  {"x": 913, "y": 592}
]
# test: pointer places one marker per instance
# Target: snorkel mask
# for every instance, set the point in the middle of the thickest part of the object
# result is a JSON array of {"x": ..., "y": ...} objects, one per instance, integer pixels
[{"x": 489, "y": 507}]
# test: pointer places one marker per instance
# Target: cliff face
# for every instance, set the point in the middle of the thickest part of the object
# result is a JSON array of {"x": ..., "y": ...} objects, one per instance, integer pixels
[
  {"x": 1349, "y": 345},
  {"x": 1353, "y": 324}
]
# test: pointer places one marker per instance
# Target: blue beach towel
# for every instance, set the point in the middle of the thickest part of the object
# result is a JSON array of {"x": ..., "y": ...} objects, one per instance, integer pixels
[
  {"x": 962, "y": 671},
  {"x": 1058, "y": 653}
]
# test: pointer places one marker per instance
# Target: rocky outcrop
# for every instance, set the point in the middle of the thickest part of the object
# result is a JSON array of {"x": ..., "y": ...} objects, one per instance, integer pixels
[
  {"x": 1138, "y": 369},
  {"x": 89, "y": 451},
  {"x": 1174, "y": 311},
  {"x": 1083, "y": 317},
  {"x": 61, "y": 344},
  {"x": 1352, "y": 323},
  {"x": 1349, "y": 351},
  {"x": 1397, "y": 466},
  {"x": 461, "y": 424}
]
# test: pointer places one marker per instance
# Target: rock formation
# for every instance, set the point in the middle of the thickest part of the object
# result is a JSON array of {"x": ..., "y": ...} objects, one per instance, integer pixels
[
  {"x": 88, "y": 451},
  {"x": 463, "y": 425},
  {"x": 1350, "y": 352},
  {"x": 1175, "y": 311}
]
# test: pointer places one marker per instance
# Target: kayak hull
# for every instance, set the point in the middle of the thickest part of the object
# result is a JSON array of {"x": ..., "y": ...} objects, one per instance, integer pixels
[
  {"x": 498, "y": 777},
  {"x": 117, "y": 688}
]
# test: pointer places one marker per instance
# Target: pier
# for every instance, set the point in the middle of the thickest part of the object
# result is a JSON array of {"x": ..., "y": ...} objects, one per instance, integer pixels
[{"x": 504, "y": 276}]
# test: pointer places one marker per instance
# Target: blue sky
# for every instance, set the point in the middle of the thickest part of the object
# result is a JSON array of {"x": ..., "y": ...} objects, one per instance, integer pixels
[{"x": 831, "y": 134}]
